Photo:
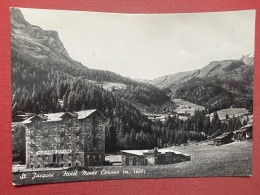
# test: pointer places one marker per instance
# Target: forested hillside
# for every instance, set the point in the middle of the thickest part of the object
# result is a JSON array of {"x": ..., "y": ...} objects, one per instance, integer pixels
[
  {"x": 31, "y": 76},
  {"x": 218, "y": 85},
  {"x": 216, "y": 94},
  {"x": 40, "y": 61}
]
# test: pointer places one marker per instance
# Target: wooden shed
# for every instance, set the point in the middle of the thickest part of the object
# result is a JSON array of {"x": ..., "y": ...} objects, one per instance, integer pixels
[
  {"x": 244, "y": 133},
  {"x": 225, "y": 138}
]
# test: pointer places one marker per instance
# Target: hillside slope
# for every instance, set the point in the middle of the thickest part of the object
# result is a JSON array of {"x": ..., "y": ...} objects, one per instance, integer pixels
[
  {"x": 39, "y": 61},
  {"x": 218, "y": 85},
  {"x": 34, "y": 41},
  {"x": 225, "y": 70}
]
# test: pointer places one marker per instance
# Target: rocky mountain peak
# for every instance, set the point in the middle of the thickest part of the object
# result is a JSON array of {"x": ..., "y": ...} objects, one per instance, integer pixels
[
  {"x": 33, "y": 40},
  {"x": 16, "y": 15},
  {"x": 248, "y": 59}
]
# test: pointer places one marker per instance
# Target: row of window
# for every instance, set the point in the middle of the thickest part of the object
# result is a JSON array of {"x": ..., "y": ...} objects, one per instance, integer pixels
[
  {"x": 62, "y": 156},
  {"x": 39, "y": 138},
  {"x": 100, "y": 128},
  {"x": 87, "y": 120},
  {"x": 77, "y": 146},
  {"x": 95, "y": 155},
  {"x": 69, "y": 164},
  {"x": 62, "y": 138},
  {"x": 48, "y": 165},
  {"x": 70, "y": 128},
  {"x": 61, "y": 164},
  {"x": 54, "y": 156}
]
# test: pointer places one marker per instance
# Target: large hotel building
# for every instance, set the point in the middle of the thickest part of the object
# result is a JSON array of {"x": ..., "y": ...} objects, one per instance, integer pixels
[{"x": 65, "y": 139}]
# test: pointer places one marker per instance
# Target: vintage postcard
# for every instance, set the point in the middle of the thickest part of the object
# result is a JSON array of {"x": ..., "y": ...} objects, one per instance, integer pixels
[{"x": 98, "y": 96}]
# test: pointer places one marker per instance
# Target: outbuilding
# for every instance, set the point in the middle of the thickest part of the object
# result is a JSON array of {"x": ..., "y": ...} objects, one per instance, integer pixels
[
  {"x": 244, "y": 133},
  {"x": 225, "y": 138},
  {"x": 152, "y": 157}
]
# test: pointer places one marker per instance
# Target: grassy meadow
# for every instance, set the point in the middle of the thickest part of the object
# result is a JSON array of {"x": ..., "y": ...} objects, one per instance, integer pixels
[{"x": 234, "y": 159}]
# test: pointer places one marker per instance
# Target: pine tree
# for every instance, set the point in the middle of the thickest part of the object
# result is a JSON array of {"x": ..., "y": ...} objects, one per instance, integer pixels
[{"x": 132, "y": 138}]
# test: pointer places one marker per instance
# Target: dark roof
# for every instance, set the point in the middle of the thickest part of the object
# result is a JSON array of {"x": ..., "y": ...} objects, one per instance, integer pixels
[
  {"x": 247, "y": 126},
  {"x": 224, "y": 135},
  {"x": 142, "y": 152}
]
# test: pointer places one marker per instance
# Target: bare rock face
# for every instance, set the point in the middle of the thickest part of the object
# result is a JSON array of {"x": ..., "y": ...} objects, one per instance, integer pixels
[
  {"x": 16, "y": 15},
  {"x": 33, "y": 40},
  {"x": 248, "y": 59}
]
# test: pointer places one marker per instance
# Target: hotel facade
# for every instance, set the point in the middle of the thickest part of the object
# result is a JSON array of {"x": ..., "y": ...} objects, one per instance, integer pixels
[{"x": 65, "y": 139}]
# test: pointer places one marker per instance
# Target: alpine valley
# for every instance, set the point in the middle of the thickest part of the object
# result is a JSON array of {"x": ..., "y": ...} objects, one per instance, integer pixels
[
  {"x": 45, "y": 79},
  {"x": 218, "y": 85}
]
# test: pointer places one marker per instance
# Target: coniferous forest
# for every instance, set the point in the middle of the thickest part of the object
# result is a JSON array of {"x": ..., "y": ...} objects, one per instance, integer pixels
[{"x": 215, "y": 94}]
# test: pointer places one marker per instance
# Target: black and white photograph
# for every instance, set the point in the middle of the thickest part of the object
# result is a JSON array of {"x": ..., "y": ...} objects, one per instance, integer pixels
[{"x": 107, "y": 96}]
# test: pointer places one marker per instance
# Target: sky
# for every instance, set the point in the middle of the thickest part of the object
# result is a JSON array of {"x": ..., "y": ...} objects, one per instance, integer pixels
[{"x": 147, "y": 46}]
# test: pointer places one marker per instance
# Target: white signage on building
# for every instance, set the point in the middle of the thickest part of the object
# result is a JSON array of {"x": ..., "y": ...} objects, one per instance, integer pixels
[{"x": 54, "y": 152}]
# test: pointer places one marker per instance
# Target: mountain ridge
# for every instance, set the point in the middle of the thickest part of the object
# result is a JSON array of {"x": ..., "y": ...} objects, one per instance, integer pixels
[
  {"x": 37, "y": 53},
  {"x": 225, "y": 69},
  {"x": 33, "y": 40}
]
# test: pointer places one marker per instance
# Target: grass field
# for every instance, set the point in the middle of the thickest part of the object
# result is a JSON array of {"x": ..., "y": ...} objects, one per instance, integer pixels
[
  {"x": 108, "y": 85},
  {"x": 186, "y": 107},
  {"x": 233, "y": 159},
  {"x": 230, "y": 111}
]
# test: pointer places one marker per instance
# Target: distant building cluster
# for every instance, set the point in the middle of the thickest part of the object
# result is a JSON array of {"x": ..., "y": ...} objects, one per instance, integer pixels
[
  {"x": 242, "y": 134},
  {"x": 65, "y": 139}
]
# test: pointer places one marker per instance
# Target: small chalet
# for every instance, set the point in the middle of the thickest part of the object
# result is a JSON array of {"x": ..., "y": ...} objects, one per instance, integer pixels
[
  {"x": 151, "y": 157},
  {"x": 244, "y": 133},
  {"x": 225, "y": 138}
]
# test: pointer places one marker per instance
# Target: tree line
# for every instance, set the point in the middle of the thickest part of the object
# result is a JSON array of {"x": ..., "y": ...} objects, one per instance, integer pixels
[{"x": 32, "y": 76}]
